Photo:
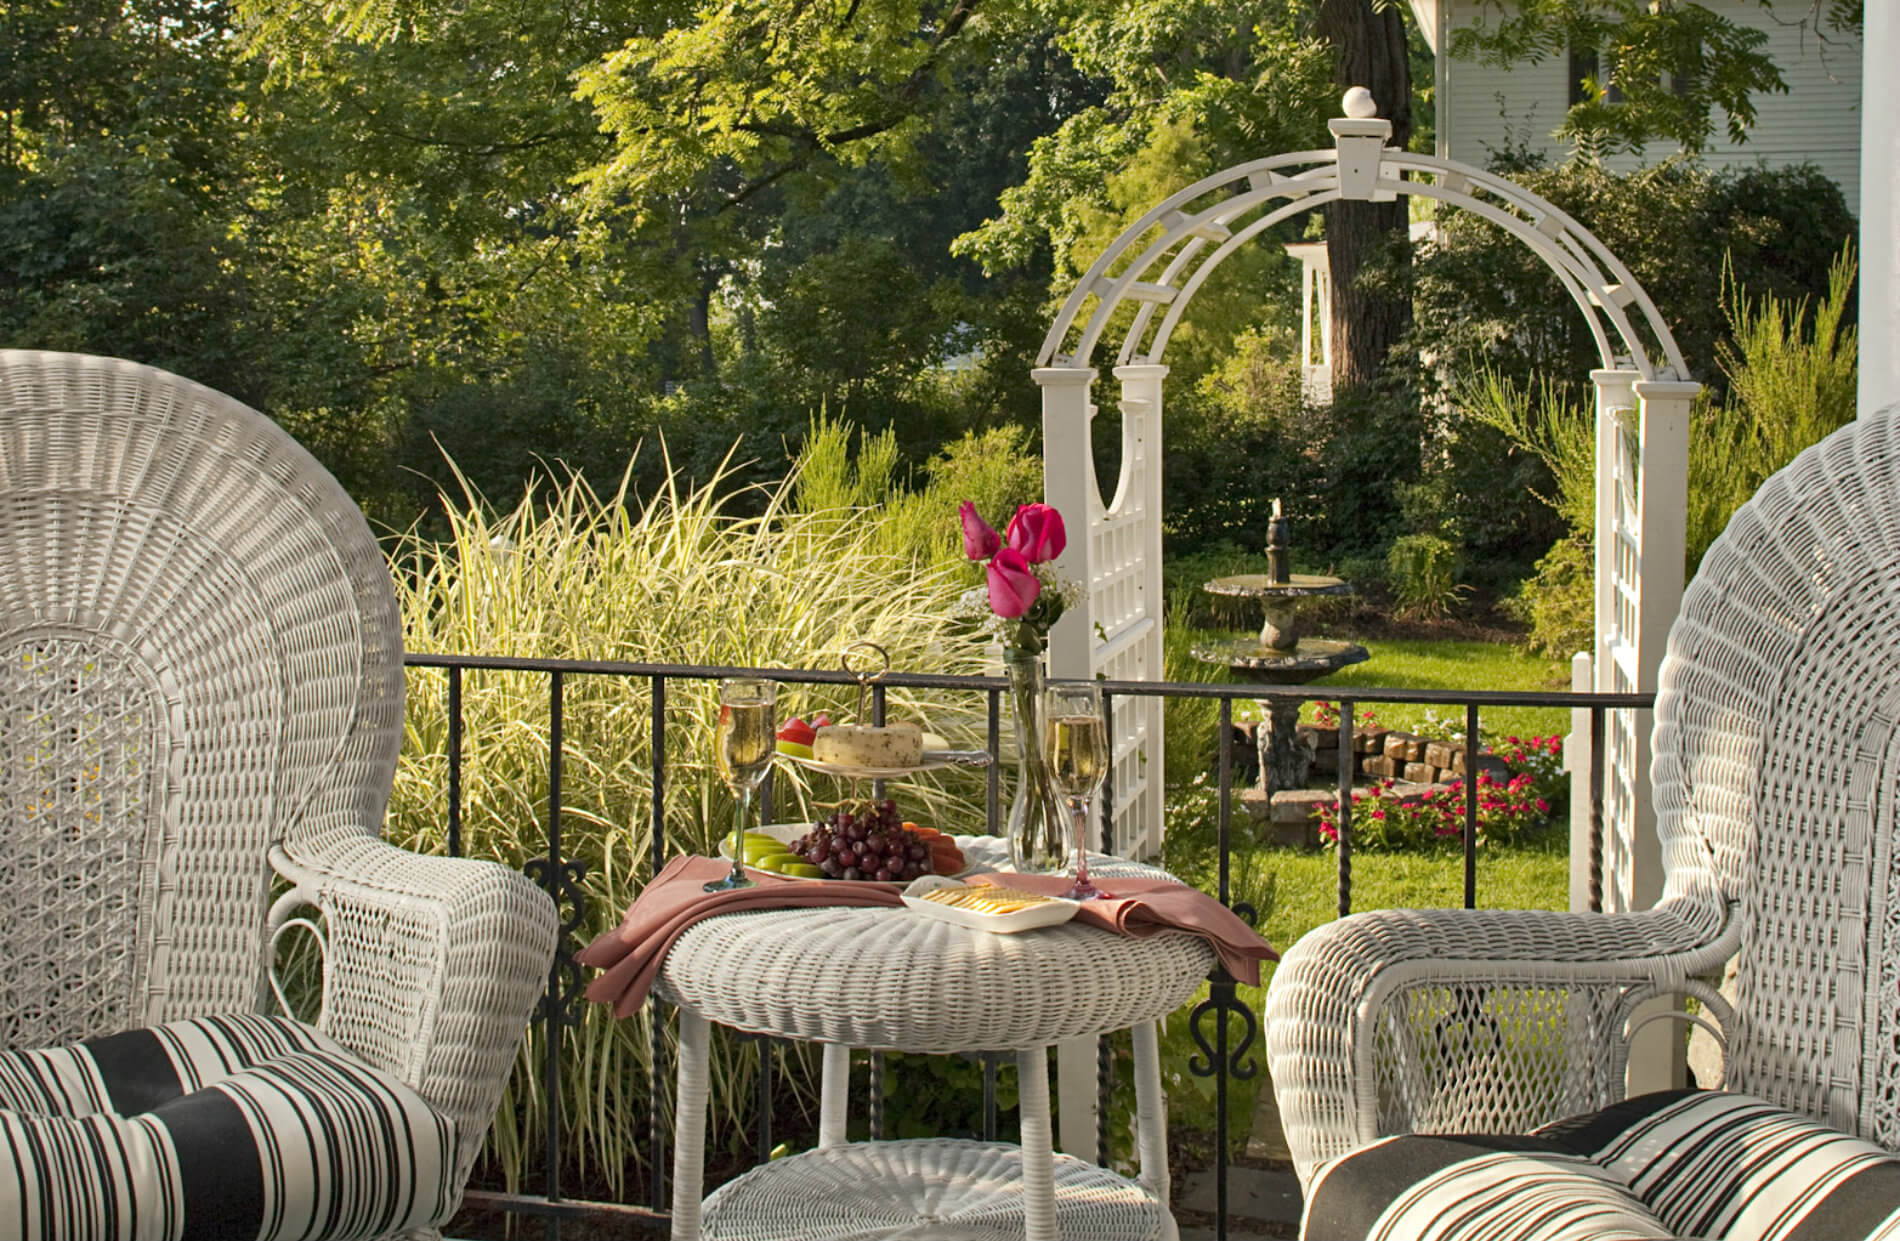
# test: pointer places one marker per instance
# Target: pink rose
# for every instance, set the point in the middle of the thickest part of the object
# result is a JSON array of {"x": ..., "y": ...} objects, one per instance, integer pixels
[
  {"x": 1036, "y": 531},
  {"x": 1013, "y": 588},
  {"x": 979, "y": 541}
]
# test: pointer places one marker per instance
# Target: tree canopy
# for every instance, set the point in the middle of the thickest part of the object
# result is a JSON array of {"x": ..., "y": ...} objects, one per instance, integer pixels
[{"x": 532, "y": 237}]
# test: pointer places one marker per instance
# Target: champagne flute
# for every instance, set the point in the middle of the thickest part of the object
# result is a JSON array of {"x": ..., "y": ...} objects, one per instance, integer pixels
[
  {"x": 743, "y": 749},
  {"x": 1075, "y": 747}
]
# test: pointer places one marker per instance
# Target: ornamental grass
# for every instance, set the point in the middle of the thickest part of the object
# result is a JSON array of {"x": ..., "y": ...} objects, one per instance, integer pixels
[{"x": 708, "y": 574}]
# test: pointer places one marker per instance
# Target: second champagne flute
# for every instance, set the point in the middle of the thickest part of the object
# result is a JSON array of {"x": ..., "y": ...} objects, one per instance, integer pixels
[
  {"x": 1075, "y": 747},
  {"x": 743, "y": 748}
]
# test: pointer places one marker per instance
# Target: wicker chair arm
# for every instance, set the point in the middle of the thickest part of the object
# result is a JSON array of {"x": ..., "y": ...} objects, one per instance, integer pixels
[
  {"x": 432, "y": 967},
  {"x": 1467, "y": 1020}
]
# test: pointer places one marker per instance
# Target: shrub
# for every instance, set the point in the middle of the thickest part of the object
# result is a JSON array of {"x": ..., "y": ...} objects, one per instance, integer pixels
[
  {"x": 1558, "y": 602},
  {"x": 1793, "y": 371},
  {"x": 1422, "y": 570}
]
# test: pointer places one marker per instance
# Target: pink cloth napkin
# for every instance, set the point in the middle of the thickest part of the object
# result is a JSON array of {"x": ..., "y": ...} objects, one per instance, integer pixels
[
  {"x": 1138, "y": 908},
  {"x": 630, "y": 955}
]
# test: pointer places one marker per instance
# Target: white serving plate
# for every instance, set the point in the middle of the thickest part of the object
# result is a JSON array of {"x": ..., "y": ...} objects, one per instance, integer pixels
[{"x": 1050, "y": 913}]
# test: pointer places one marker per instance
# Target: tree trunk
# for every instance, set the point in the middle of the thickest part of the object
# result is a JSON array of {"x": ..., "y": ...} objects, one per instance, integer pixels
[{"x": 1368, "y": 50}]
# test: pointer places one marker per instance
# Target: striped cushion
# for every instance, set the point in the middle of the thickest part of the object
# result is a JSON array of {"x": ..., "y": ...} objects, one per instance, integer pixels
[
  {"x": 221, "y": 1127},
  {"x": 1675, "y": 1164}
]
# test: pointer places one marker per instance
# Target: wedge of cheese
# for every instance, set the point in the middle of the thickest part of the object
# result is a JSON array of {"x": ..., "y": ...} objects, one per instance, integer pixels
[{"x": 864, "y": 745}]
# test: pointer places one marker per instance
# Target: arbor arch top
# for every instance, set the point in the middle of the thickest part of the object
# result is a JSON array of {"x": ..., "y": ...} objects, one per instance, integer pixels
[
  {"x": 1162, "y": 259},
  {"x": 1154, "y": 268}
]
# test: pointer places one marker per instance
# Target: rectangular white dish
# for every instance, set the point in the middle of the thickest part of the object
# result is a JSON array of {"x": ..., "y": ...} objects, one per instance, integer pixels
[{"x": 1048, "y": 912}]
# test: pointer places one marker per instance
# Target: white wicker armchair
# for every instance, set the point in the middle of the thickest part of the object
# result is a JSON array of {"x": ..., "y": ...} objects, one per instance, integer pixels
[
  {"x": 1776, "y": 775},
  {"x": 201, "y": 697}
]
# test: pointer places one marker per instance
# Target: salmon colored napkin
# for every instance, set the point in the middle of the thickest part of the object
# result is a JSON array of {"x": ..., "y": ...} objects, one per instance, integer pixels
[
  {"x": 630, "y": 955},
  {"x": 1138, "y": 908}
]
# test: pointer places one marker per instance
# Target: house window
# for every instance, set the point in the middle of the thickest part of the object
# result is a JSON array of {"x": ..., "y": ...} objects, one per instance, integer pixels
[{"x": 1589, "y": 64}]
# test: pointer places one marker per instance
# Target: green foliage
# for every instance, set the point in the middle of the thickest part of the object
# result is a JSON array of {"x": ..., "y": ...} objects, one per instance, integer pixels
[
  {"x": 1558, "y": 432},
  {"x": 1792, "y": 371},
  {"x": 686, "y": 577},
  {"x": 994, "y": 470},
  {"x": 1671, "y": 66},
  {"x": 1484, "y": 299}
]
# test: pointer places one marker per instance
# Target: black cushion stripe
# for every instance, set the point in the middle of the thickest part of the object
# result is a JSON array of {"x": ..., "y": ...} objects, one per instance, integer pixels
[
  {"x": 219, "y": 1179},
  {"x": 135, "y": 1070},
  {"x": 1867, "y": 1201}
]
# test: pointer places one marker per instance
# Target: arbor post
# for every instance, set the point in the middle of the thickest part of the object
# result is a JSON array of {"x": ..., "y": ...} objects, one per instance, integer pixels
[
  {"x": 1068, "y": 483},
  {"x": 1662, "y": 503}
]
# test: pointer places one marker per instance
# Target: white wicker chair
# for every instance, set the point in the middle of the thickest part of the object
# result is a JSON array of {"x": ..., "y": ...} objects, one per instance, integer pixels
[
  {"x": 1777, "y": 778},
  {"x": 201, "y": 702}
]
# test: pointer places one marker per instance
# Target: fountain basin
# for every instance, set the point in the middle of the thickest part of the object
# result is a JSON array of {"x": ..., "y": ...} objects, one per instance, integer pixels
[{"x": 1281, "y": 600}]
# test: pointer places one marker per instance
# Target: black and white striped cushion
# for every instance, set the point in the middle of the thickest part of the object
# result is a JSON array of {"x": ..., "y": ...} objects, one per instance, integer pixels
[
  {"x": 1675, "y": 1164},
  {"x": 223, "y": 1127}
]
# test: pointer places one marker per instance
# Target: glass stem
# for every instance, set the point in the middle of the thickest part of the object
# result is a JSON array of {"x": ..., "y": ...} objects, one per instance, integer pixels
[
  {"x": 1080, "y": 809},
  {"x": 741, "y": 811}
]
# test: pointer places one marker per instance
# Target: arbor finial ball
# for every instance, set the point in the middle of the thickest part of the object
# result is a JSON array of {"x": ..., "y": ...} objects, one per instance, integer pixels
[{"x": 1359, "y": 104}]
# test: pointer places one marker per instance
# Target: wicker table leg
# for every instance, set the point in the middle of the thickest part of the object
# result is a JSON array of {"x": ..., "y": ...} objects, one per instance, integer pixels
[
  {"x": 1151, "y": 1117},
  {"x": 1039, "y": 1165},
  {"x": 834, "y": 1096},
  {"x": 689, "y": 1120}
]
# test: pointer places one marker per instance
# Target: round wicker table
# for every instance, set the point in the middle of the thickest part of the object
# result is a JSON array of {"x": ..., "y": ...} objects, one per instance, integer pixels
[{"x": 888, "y": 979}]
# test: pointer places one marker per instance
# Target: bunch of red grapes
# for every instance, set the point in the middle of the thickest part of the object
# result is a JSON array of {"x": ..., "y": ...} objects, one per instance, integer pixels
[{"x": 865, "y": 842}]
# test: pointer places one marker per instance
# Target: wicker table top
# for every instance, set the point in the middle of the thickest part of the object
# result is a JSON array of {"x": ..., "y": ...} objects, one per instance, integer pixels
[{"x": 889, "y": 979}]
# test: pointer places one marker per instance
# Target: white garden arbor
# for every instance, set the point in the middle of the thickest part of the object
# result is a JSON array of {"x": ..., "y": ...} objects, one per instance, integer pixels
[{"x": 1139, "y": 289}]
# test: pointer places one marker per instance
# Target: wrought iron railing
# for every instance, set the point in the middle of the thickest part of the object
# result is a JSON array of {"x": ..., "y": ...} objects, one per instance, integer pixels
[{"x": 1224, "y": 1050}]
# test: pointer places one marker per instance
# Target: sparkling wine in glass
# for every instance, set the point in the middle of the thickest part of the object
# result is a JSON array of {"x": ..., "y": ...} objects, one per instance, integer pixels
[
  {"x": 1075, "y": 747},
  {"x": 743, "y": 748}
]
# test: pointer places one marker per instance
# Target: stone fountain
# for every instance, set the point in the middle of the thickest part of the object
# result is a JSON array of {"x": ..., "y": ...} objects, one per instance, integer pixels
[{"x": 1281, "y": 656}]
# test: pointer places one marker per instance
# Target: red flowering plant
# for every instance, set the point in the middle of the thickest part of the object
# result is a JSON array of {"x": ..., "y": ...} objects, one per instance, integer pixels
[
  {"x": 1021, "y": 598},
  {"x": 1511, "y": 808}
]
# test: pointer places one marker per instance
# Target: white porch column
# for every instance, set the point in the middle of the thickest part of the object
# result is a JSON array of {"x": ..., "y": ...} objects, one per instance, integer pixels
[
  {"x": 1577, "y": 759},
  {"x": 1879, "y": 207},
  {"x": 1068, "y": 483}
]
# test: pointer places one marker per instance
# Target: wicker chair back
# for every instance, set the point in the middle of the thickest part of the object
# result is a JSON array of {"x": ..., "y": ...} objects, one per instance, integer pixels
[
  {"x": 1777, "y": 766},
  {"x": 200, "y": 658}
]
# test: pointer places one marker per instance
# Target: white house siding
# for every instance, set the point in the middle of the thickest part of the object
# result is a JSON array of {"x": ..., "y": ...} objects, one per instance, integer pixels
[{"x": 1483, "y": 110}]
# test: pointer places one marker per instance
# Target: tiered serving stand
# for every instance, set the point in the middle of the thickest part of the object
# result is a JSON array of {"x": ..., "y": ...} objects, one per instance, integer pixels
[{"x": 887, "y": 979}]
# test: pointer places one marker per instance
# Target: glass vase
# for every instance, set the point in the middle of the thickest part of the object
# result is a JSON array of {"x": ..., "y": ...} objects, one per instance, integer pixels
[{"x": 1038, "y": 826}]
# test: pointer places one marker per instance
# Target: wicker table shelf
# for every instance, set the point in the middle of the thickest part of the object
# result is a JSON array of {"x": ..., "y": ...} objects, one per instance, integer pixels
[
  {"x": 937, "y": 1187},
  {"x": 888, "y": 979}
]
